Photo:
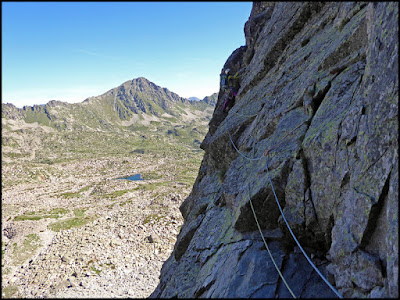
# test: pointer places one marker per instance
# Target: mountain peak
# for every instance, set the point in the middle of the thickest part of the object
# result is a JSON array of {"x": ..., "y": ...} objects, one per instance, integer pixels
[{"x": 129, "y": 98}]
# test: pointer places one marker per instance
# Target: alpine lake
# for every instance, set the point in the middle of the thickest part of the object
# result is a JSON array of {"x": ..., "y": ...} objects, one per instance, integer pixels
[{"x": 135, "y": 177}]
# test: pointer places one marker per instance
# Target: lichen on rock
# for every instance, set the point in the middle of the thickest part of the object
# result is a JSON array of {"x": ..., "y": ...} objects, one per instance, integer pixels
[{"x": 329, "y": 72}]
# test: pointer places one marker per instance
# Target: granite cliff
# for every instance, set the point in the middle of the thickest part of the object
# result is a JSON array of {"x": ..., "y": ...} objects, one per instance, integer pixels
[{"x": 319, "y": 90}]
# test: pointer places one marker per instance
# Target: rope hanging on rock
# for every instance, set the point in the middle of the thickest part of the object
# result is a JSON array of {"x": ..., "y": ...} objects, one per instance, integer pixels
[
  {"x": 248, "y": 158},
  {"x": 265, "y": 154},
  {"x": 294, "y": 237},
  {"x": 266, "y": 246}
]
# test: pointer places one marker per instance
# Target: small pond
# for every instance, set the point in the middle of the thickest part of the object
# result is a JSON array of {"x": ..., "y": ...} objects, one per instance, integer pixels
[{"x": 132, "y": 177}]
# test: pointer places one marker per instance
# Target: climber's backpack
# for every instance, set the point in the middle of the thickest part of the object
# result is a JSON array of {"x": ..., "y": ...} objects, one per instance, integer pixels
[{"x": 224, "y": 81}]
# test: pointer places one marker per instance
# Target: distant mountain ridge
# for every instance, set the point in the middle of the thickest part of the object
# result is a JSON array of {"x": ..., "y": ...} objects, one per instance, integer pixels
[
  {"x": 118, "y": 104},
  {"x": 136, "y": 106},
  {"x": 211, "y": 100},
  {"x": 140, "y": 94}
]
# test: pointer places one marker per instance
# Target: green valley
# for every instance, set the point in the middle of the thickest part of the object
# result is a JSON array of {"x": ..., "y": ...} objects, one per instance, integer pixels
[{"x": 60, "y": 164}]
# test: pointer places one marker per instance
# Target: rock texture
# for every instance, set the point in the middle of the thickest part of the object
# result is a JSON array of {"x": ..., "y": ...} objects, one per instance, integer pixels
[
  {"x": 211, "y": 100},
  {"x": 319, "y": 89}
]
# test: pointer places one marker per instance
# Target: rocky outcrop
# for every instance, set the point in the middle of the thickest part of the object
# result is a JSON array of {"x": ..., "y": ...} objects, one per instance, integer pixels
[
  {"x": 319, "y": 90},
  {"x": 140, "y": 94},
  {"x": 211, "y": 100},
  {"x": 8, "y": 110}
]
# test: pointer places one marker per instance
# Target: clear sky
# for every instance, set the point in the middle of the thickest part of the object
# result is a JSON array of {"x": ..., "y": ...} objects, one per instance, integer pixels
[{"x": 69, "y": 51}]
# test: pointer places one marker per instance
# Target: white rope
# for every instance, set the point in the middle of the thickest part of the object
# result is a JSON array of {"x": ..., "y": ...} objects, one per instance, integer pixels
[
  {"x": 227, "y": 129},
  {"x": 280, "y": 209},
  {"x": 266, "y": 246},
  {"x": 294, "y": 237}
]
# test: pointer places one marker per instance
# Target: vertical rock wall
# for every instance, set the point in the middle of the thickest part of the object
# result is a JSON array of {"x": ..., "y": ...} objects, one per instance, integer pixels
[{"x": 319, "y": 87}]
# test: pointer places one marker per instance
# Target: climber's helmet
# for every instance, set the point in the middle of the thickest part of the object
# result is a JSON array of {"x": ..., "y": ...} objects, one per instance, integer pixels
[{"x": 227, "y": 71}]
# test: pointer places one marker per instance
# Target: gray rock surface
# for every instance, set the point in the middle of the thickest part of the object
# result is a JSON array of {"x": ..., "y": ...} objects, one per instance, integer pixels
[{"x": 319, "y": 90}]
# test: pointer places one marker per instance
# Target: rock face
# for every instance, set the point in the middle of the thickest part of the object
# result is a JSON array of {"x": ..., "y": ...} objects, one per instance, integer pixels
[
  {"x": 319, "y": 90},
  {"x": 211, "y": 100}
]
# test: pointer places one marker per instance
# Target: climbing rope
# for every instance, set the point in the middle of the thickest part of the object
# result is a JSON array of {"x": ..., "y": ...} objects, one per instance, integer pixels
[
  {"x": 233, "y": 144},
  {"x": 266, "y": 246},
  {"x": 294, "y": 237},
  {"x": 265, "y": 154},
  {"x": 267, "y": 151}
]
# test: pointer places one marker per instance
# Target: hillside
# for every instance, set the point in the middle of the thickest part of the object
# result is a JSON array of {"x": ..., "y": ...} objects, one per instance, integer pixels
[
  {"x": 137, "y": 106},
  {"x": 115, "y": 106},
  {"x": 70, "y": 226},
  {"x": 314, "y": 129}
]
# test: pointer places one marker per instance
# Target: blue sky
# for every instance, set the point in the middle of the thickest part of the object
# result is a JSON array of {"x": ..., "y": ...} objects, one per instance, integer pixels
[{"x": 69, "y": 51}]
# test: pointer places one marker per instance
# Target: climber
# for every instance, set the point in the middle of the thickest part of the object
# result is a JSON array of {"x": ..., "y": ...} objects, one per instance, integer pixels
[
  {"x": 230, "y": 84},
  {"x": 224, "y": 79}
]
